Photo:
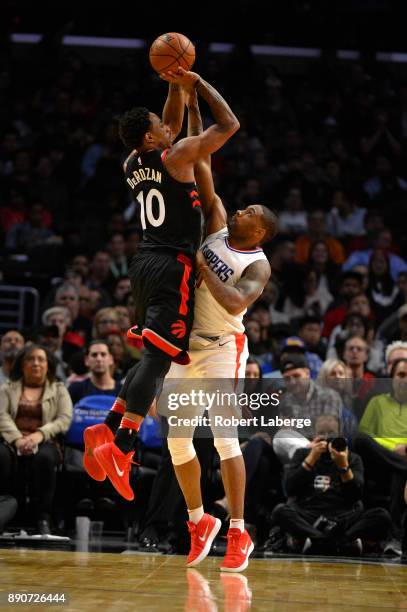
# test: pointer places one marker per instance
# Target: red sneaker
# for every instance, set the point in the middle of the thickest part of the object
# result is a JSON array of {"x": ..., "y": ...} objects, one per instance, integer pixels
[
  {"x": 117, "y": 467},
  {"x": 240, "y": 547},
  {"x": 202, "y": 536},
  {"x": 94, "y": 436}
]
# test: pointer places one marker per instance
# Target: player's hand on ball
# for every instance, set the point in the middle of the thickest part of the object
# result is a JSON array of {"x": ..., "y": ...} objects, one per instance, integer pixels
[{"x": 181, "y": 77}]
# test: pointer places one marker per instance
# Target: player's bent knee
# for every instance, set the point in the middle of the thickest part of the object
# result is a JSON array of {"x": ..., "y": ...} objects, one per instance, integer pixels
[
  {"x": 181, "y": 449},
  {"x": 228, "y": 448}
]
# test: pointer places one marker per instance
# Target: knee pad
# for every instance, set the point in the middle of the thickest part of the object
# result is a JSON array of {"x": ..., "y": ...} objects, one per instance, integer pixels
[
  {"x": 227, "y": 448},
  {"x": 181, "y": 449}
]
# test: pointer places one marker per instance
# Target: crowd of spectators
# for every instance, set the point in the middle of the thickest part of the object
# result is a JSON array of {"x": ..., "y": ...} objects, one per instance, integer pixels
[{"x": 327, "y": 150}]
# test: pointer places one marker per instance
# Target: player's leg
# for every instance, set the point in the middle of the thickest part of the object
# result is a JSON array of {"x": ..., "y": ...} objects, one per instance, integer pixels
[
  {"x": 103, "y": 433},
  {"x": 118, "y": 409},
  {"x": 203, "y": 527},
  {"x": 115, "y": 457},
  {"x": 166, "y": 298},
  {"x": 234, "y": 482},
  {"x": 228, "y": 362}
]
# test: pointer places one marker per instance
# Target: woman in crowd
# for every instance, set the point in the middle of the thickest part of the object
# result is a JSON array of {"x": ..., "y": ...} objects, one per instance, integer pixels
[
  {"x": 319, "y": 259},
  {"x": 335, "y": 375},
  {"x": 306, "y": 296},
  {"x": 382, "y": 289},
  {"x": 106, "y": 320},
  {"x": 121, "y": 355},
  {"x": 34, "y": 410}
]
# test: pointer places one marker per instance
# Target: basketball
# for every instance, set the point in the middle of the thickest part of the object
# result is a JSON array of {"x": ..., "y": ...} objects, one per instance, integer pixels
[{"x": 171, "y": 50}]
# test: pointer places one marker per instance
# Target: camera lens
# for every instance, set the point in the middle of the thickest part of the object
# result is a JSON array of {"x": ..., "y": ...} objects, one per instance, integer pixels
[{"x": 339, "y": 444}]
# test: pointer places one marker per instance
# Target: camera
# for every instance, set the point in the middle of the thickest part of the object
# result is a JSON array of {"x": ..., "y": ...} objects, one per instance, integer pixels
[{"x": 338, "y": 443}]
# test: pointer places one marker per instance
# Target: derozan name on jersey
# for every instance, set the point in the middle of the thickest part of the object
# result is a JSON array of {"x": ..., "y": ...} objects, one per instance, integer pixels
[{"x": 144, "y": 174}]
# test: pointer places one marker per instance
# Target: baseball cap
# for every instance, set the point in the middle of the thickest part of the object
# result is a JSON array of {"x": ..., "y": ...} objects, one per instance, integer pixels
[
  {"x": 293, "y": 362},
  {"x": 293, "y": 342},
  {"x": 402, "y": 311}
]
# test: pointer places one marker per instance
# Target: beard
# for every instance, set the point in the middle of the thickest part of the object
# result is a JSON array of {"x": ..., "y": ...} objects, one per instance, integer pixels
[{"x": 10, "y": 354}]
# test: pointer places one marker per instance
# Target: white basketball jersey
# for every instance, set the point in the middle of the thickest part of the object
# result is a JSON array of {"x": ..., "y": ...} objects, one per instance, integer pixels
[{"x": 210, "y": 318}]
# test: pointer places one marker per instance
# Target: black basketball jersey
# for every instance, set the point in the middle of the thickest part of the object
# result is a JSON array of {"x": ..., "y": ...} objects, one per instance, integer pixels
[{"x": 170, "y": 211}]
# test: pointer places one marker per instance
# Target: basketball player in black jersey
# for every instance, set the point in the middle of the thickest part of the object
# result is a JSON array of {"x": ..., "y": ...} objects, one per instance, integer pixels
[{"x": 162, "y": 181}]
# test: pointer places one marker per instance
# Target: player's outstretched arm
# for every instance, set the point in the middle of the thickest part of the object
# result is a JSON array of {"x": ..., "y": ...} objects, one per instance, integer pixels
[
  {"x": 173, "y": 113},
  {"x": 235, "y": 299},
  {"x": 226, "y": 123},
  {"x": 212, "y": 206}
]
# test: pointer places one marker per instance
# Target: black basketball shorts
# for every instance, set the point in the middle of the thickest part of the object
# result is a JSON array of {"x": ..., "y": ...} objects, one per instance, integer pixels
[{"x": 163, "y": 285}]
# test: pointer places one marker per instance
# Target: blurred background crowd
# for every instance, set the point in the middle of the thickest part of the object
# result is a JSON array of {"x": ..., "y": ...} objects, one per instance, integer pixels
[{"x": 325, "y": 146}]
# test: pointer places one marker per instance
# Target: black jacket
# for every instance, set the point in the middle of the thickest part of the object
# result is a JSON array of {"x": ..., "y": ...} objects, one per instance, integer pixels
[{"x": 322, "y": 488}]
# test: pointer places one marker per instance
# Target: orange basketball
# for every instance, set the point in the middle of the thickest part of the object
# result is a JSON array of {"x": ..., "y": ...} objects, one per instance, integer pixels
[{"x": 171, "y": 50}]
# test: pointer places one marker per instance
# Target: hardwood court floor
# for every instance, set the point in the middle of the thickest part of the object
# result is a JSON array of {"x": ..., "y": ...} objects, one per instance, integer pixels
[{"x": 128, "y": 582}]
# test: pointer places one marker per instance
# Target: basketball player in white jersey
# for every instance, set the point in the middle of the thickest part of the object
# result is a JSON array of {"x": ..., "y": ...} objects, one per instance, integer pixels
[{"x": 232, "y": 273}]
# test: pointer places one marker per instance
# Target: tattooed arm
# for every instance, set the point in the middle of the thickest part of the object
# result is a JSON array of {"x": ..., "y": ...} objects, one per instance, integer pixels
[
  {"x": 235, "y": 299},
  {"x": 195, "y": 126},
  {"x": 210, "y": 140}
]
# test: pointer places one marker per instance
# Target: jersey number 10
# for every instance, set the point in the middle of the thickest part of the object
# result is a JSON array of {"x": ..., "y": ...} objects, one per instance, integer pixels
[{"x": 147, "y": 208}]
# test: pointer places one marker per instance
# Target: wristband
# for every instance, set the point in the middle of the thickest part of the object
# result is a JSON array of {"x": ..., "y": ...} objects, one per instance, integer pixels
[
  {"x": 311, "y": 467},
  {"x": 344, "y": 470}
]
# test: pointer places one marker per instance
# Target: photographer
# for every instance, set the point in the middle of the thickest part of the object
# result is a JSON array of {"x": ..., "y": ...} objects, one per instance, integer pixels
[{"x": 325, "y": 482}]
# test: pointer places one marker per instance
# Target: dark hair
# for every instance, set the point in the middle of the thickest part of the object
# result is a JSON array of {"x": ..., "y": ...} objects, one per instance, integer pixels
[
  {"x": 383, "y": 284},
  {"x": 395, "y": 365},
  {"x": 118, "y": 279},
  {"x": 259, "y": 305},
  {"x": 357, "y": 295},
  {"x": 312, "y": 249},
  {"x": 17, "y": 369},
  {"x": 308, "y": 320},
  {"x": 252, "y": 360},
  {"x": 353, "y": 275},
  {"x": 133, "y": 125},
  {"x": 355, "y": 315},
  {"x": 96, "y": 341},
  {"x": 270, "y": 224}
]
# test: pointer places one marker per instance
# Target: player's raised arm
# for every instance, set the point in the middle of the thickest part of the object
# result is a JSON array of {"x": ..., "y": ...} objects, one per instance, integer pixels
[
  {"x": 195, "y": 125},
  {"x": 235, "y": 299},
  {"x": 173, "y": 112},
  {"x": 212, "y": 206},
  {"x": 226, "y": 123}
]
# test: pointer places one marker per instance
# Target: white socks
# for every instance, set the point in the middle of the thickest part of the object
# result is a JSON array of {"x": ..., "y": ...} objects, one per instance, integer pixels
[
  {"x": 237, "y": 524},
  {"x": 196, "y": 515}
]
